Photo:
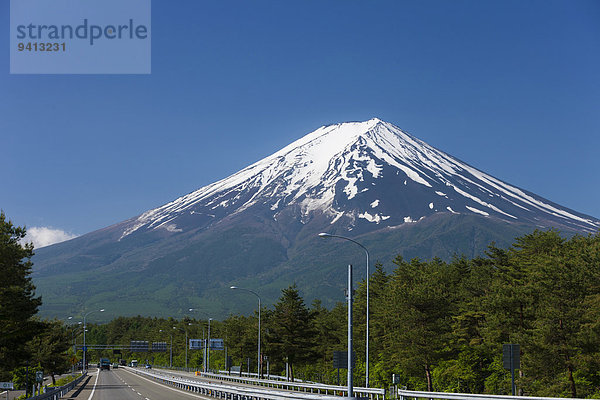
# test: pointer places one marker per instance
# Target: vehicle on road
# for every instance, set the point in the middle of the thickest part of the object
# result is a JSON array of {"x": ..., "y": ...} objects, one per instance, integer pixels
[
  {"x": 105, "y": 364},
  {"x": 133, "y": 363},
  {"x": 115, "y": 365},
  {"x": 148, "y": 366}
]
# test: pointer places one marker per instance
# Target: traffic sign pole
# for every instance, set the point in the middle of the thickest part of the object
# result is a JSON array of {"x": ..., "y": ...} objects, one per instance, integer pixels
[{"x": 511, "y": 357}]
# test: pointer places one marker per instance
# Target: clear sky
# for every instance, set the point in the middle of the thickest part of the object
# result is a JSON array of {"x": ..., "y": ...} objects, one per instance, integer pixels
[{"x": 511, "y": 87}]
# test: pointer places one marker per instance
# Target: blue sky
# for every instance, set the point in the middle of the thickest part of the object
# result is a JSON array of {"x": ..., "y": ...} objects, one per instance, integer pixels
[{"x": 511, "y": 87}]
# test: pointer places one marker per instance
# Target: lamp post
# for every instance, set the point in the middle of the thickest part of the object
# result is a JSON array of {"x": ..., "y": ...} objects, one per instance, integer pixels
[
  {"x": 188, "y": 344},
  {"x": 73, "y": 330},
  {"x": 207, "y": 369},
  {"x": 186, "y": 340},
  {"x": 74, "y": 339},
  {"x": 259, "y": 361},
  {"x": 170, "y": 349},
  {"x": 350, "y": 367},
  {"x": 328, "y": 235},
  {"x": 84, "y": 330},
  {"x": 204, "y": 349}
]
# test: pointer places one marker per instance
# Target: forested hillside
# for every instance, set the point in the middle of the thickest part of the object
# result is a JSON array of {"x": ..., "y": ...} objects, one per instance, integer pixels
[{"x": 439, "y": 325}]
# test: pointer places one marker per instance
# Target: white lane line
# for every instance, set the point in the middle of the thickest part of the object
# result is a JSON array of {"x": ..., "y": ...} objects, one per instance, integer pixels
[
  {"x": 167, "y": 387},
  {"x": 95, "y": 383}
]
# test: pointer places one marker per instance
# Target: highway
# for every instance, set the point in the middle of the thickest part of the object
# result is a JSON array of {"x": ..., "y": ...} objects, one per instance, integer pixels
[{"x": 123, "y": 385}]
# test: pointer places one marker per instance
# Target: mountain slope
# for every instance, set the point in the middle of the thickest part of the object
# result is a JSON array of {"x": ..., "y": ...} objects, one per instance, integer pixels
[{"x": 258, "y": 227}]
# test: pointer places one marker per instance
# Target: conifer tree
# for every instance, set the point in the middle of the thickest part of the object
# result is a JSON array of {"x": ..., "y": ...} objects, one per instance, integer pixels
[
  {"x": 18, "y": 303},
  {"x": 418, "y": 316},
  {"x": 291, "y": 332},
  {"x": 49, "y": 349}
]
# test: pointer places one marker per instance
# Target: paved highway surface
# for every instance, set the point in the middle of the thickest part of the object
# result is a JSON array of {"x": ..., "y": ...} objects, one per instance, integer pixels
[{"x": 124, "y": 385}]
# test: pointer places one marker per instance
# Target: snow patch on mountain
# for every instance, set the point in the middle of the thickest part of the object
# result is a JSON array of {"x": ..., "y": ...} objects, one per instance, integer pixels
[
  {"x": 475, "y": 210},
  {"x": 373, "y": 218}
]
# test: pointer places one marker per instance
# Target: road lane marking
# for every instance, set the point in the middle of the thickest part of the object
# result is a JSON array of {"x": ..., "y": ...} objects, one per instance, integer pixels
[
  {"x": 167, "y": 387},
  {"x": 95, "y": 383}
]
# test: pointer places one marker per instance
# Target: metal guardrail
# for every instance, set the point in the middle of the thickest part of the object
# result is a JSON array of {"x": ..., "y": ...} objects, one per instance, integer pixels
[
  {"x": 372, "y": 393},
  {"x": 58, "y": 392},
  {"x": 229, "y": 392},
  {"x": 409, "y": 394},
  {"x": 269, "y": 376}
]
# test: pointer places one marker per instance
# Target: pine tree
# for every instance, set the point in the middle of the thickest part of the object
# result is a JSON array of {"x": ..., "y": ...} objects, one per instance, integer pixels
[
  {"x": 418, "y": 316},
  {"x": 291, "y": 332},
  {"x": 241, "y": 336},
  {"x": 49, "y": 349},
  {"x": 18, "y": 303}
]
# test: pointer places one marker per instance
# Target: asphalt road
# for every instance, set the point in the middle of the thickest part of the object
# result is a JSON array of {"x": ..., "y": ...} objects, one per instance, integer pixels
[{"x": 123, "y": 385}]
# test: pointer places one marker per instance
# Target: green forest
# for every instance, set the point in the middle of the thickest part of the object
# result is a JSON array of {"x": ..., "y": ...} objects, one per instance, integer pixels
[{"x": 438, "y": 325}]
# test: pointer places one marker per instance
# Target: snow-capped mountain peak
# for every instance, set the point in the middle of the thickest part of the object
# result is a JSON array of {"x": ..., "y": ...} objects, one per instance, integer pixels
[{"x": 359, "y": 173}]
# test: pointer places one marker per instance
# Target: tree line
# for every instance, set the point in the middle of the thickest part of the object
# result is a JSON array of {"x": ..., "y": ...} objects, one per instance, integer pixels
[{"x": 438, "y": 325}]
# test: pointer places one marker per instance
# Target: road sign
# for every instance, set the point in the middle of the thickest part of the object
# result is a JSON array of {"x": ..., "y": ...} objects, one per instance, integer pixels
[
  {"x": 511, "y": 360},
  {"x": 39, "y": 376},
  {"x": 6, "y": 385},
  {"x": 340, "y": 359},
  {"x": 138, "y": 346},
  {"x": 511, "y": 356},
  {"x": 84, "y": 348},
  {"x": 159, "y": 346},
  {"x": 217, "y": 344}
]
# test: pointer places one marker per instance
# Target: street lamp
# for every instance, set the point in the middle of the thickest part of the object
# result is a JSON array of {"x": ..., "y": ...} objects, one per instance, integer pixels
[
  {"x": 84, "y": 330},
  {"x": 207, "y": 350},
  {"x": 186, "y": 340},
  {"x": 188, "y": 344},
  {"x": 328, "y": 235},
  {"x": 259, "y": 361},
  {"x": 350, "y": 367},
  {"x": 74, "y": 339},
  {"x": 170, "y": 349}
]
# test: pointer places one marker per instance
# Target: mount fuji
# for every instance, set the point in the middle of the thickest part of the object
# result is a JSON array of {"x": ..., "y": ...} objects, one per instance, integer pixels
[{"x": 258, "y": 227}]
